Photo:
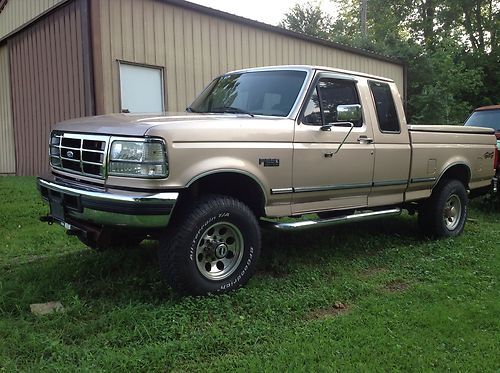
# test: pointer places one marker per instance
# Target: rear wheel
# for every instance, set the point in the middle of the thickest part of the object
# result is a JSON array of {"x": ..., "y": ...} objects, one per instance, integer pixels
[
  {"x": 445, "y": 212},
  {"x": 214, "y": 248}
]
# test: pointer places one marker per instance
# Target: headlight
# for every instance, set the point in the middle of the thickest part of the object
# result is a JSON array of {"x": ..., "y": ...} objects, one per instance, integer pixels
[{"x": 146, "y": 158}]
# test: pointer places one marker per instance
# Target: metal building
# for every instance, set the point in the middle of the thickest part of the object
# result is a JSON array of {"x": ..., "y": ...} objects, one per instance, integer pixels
[{"x": 61, "y": 59}]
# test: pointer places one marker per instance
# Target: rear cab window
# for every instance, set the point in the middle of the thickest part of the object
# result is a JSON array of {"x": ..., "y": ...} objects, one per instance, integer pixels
[{"x": 387, "y": 116}]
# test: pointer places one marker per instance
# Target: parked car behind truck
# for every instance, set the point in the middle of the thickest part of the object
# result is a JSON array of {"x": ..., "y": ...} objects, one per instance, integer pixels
[
  {"x": 258, "y": 144},
  {"x": 489, "y": 117}
]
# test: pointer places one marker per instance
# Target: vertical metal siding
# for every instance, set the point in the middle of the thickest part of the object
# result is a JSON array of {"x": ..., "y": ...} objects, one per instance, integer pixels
[
  {"x": 48, "y": 83},
  {"x": 7, "y": 149},
  {"x": 195, "y": 47},
  {"x": 19, "y": 12}
]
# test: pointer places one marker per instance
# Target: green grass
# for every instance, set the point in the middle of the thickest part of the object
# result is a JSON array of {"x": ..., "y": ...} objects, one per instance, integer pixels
[{"x": 411, "y": 303}]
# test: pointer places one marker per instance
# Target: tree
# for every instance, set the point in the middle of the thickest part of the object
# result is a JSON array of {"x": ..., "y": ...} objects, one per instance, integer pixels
[
  {"x": 441, "y": 86},
  {"x": 450, "y": 47},
  {"x": 477, "y": 20},
  {"x": 307, "y": 19}
]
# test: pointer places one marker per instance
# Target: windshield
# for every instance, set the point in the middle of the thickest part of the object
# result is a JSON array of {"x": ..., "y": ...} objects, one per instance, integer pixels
[
  {"x": 255, "y": 93},
  {"x": 486, "y": 118}
]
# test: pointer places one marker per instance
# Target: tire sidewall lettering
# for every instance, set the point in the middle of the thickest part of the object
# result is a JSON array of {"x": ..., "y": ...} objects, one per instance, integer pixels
[
  {"x": 237, "y": 279},
  {"x": 178, "y": 251},
  {"x": 233, "y": 280}
]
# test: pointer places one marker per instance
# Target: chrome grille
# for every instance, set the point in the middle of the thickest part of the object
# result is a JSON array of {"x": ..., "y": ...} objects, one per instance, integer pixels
[{"x": 79, "y": 153}]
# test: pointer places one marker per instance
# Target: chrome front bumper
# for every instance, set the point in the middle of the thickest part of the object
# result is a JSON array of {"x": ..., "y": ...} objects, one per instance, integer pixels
[{"x": 74, "y": 203}]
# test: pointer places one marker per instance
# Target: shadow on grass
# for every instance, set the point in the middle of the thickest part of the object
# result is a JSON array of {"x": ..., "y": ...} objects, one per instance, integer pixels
[
  {"x": 344, "y": 242},
  {"x": 123, "y": 277},
  {"x": 117, "y": 277},
  {"x": 487, "y": 204}
]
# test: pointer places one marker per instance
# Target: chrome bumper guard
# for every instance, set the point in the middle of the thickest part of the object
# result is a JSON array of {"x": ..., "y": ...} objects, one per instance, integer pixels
[{"x": 73, "y": 203}]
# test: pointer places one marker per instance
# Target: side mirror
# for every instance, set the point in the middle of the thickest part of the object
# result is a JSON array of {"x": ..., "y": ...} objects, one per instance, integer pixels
[{"x": 349, "y": 113}]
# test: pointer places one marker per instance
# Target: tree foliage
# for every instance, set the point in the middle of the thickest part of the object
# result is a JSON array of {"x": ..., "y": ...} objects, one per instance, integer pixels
[
  {"x": 451, "y": 48},
  {"x": 308, "y": 19}
]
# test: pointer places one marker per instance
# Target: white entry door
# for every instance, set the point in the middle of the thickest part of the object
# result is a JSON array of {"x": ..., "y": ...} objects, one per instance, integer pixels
[{"x": 141, "y": 89}]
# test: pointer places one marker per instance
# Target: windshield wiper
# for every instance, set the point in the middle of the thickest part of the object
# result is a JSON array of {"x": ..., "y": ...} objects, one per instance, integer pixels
[
  {"x": 189, "y": 109},
  {"x": 231, "y": 109}
]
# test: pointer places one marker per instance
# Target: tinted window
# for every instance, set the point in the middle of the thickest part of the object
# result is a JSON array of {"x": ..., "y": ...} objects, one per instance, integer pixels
[
  {"x": 487, "y": 118},
  {"x": 260, "y": 93},
  {"x": 386, "y": 110},
  {"x": 331, "y": 93}
]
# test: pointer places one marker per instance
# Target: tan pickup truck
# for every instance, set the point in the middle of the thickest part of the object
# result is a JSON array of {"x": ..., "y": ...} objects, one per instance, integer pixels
[{"x": 256, "y": 145}]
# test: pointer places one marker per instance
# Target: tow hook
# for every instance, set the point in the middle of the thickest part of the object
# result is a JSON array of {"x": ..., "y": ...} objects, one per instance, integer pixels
[{"x": 47, "y": 219}]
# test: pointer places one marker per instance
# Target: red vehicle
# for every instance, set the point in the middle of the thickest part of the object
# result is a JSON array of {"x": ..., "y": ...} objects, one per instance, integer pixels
[{"x": 488, "y": 116}]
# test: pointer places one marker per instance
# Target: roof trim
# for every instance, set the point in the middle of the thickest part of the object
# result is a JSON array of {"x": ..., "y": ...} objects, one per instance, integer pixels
[
  {"x": 486, "y": 108},
  {"x": 31, "y": 21},
  {"x": 3, "y": 3},
  {"x": 281, "y": 30},
  {"x": 311, "y": 68}
]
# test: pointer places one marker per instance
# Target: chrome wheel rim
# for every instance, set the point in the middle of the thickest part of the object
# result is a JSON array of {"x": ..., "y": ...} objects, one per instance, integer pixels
[
  {"x": 219, "y": 251},
  {"x": 452, "y": 212}
]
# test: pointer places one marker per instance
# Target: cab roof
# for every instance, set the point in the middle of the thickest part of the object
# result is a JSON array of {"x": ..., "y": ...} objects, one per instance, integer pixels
[
  {"x": 490, "y": 107},
  {"x": 312, "y": 68}
]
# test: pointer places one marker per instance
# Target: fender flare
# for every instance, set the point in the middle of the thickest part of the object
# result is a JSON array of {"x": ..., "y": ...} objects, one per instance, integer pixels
[
  {"x": 230, "y": 170},
  {"x": 448, "y": 167}
]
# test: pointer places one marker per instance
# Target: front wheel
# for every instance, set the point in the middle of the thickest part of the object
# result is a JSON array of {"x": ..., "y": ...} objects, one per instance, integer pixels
[
  {"x": 445, "y": 212},
  {"x": 214, "y": 249}
]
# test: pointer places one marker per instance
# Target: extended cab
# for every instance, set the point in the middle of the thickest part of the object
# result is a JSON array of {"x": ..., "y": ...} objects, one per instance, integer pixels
[{"x": 259, "y": 144}]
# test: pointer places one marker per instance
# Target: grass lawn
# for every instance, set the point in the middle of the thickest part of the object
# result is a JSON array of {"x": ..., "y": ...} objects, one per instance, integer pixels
[{"x": 375, "y": 296}]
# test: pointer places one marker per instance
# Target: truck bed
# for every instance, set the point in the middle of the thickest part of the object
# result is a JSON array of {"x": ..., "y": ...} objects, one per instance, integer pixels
[{"x": 436, "y": 148}]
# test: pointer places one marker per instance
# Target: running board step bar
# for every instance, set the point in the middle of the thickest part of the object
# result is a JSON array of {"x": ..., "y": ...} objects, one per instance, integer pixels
[{"x": 307, "y": 224}]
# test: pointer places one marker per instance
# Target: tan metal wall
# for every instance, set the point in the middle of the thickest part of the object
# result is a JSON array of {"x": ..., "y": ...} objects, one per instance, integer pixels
[
  {"x": 49, "y": 75},
  {"x": 18, "y": 12},
  {"x": 194, "y": 47},
  {"x": 7, "y": 155}
]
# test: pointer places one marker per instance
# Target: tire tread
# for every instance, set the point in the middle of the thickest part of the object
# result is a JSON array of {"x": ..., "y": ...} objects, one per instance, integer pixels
[
  {"x": 430, "y": 216},
  {"x": 170, "y": 257}
]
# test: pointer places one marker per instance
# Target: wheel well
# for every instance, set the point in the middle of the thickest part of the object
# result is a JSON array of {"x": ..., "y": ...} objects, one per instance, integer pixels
[
  {"x": 458, "y": 172},
  {"x": 240, "y": 186}
]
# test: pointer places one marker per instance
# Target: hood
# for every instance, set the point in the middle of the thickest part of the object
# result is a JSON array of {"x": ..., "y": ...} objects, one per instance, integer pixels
[
  {"x": 130, "y": 124},
  {"x": 185, "y": 127}
]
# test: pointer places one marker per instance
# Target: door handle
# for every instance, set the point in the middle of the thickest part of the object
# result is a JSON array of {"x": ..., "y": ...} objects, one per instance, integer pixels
[{"x": 365, "y": 139}]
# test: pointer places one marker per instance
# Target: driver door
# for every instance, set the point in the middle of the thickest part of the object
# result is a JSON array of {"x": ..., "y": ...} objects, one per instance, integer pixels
[{"x": 332, "y": 164}]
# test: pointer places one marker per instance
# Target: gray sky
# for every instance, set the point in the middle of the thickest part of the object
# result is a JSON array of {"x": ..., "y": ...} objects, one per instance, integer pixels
[{"x": 267, "y": 11}]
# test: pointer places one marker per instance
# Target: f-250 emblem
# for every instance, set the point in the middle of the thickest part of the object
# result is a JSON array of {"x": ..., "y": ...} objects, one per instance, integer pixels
[
  {"x": 269, "y": 162},
  {"x": 488, "y": 155}
]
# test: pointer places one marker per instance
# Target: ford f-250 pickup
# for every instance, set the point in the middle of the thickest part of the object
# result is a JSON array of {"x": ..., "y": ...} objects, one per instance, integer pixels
[{"x": 258, "y": 144}]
